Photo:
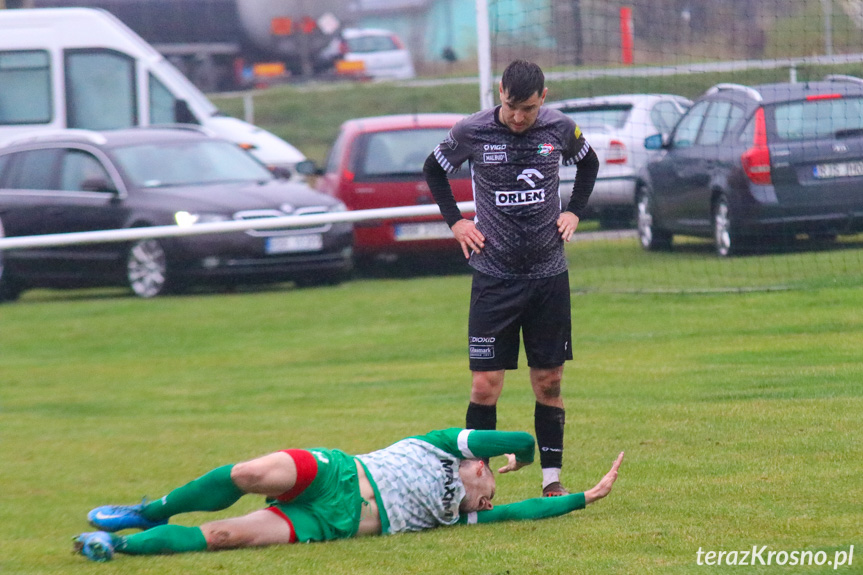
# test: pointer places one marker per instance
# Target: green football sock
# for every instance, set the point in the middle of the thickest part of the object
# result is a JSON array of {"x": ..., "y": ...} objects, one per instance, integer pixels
[
  {"x": 212, "y": 491},
  {"x": 161, "y": 540}
]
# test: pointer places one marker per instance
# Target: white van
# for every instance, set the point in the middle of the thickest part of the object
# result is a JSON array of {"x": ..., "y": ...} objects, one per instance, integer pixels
[{"x": 83, "y": 68}]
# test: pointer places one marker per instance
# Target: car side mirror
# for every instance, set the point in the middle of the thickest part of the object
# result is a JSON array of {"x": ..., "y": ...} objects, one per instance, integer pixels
[
  {"x": 308, "y": 168},
  {"x": 98, "y": 185},
  {"x": 280, "y": 172},
  {"x": 654, "y": 142}
]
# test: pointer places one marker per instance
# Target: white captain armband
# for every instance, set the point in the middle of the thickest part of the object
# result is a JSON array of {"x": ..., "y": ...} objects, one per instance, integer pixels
[{"x": 462, "y": 444}]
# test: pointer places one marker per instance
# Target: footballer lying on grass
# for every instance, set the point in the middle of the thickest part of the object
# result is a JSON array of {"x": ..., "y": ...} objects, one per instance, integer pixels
[{"x": 420, "y": 482}]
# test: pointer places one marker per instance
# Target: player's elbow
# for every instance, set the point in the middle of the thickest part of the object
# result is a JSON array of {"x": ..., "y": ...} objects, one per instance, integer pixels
[
  {"x": 589, "y": 163},
  {"x": 525, "y": 446}
]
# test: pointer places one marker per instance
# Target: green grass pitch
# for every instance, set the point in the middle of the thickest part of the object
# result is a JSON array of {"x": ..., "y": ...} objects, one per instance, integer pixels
[{"x": 739, "y": 414}]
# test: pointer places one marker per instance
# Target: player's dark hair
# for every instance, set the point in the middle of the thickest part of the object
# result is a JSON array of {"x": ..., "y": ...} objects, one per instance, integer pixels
[{"x": 521, "y": 80}]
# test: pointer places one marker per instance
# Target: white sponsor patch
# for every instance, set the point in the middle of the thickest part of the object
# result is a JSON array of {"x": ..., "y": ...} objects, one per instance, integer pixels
[
  {"x": 524, "y": 198},
  {"x": 494, "y": 157},
  {"x": 481, "y": 352}
]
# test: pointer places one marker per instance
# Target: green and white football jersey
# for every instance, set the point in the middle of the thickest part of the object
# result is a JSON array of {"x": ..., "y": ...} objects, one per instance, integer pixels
[{"x": 417, "y": 478}]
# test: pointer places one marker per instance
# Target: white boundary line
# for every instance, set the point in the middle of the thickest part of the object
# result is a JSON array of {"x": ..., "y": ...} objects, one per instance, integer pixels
[{"x": 103, "y": 236}]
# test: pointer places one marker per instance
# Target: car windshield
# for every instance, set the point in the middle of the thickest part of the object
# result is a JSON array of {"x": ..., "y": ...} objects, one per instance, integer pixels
[
  {"x": 183, "y": 163},
  {"x": 401, "y": 152},
  {"x": 819, "y": 118},
  {"x": 362, "y": 44},
  {"x": 613, "y": 115}
]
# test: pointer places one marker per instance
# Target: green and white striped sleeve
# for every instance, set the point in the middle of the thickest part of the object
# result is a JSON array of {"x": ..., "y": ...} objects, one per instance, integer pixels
[
  {"x": 477, "y": 444},
  {"x": 537, "y": 508}
]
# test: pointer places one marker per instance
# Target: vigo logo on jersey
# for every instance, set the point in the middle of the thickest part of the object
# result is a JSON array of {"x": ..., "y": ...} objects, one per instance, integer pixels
[
  {"x": 519, "y": 198},
  {"x": 494, "y": 154}
]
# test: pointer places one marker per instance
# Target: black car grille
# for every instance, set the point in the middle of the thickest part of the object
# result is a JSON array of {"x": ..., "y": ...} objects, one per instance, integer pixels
[{"x": 264, "y": 214}]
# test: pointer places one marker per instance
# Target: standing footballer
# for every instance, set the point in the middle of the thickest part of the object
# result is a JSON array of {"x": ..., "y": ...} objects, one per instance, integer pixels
[{"x": 515, "y": 245}]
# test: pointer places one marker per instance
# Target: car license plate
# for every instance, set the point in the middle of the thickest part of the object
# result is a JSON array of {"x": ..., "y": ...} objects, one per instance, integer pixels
[
  {"x": 422, "y": 231},
  {"x": 840, "y": 170},
  {"x": 291, "y": 244}
]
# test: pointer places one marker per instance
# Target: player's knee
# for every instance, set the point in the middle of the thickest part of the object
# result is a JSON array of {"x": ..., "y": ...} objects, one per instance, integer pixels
[
  {"x": 248, "y": 475},
  {"x": 485, "y": 389},
  {"x": 548, "y": 392},
  {"x": 547, "y": 386},
  {"x": 220, "y": 535}
]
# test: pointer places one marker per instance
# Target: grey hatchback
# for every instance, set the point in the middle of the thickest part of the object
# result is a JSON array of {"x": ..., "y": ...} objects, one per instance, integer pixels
[
  {"x": 747, "y": 165},
  {"x": 78, "y": 181}
]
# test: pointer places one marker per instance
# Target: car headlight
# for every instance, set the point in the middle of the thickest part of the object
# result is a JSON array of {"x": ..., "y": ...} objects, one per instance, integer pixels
[{"x": 184, "y": 219}]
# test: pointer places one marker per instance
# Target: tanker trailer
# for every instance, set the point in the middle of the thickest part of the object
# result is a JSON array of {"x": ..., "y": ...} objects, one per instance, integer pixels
[{"x": 227, "y": 44}]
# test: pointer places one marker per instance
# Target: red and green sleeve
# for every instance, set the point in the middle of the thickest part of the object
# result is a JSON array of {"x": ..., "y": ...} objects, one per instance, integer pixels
[
  {"x": 478, "y": 444},
  {"x": 537, "y": 508}
]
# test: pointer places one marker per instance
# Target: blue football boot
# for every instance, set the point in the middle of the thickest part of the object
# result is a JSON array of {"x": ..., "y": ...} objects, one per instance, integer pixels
[
  {"x": 113, "y": 518},
  {"x": 96, "y": 546}
]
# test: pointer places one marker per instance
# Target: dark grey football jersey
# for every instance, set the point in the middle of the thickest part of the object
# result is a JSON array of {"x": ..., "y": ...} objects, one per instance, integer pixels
[{"x": 515, "y": 186}]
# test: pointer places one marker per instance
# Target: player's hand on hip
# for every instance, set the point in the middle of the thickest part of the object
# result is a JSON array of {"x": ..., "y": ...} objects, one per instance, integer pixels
[
  {"x": 470, "y": 238},
  {"x": 566, "y": 225}
]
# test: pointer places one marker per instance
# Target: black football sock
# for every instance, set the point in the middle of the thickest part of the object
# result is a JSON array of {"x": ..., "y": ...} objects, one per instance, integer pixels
[
  {"x": 548, "y": 422},
  {"x": 481, "y": 416}
]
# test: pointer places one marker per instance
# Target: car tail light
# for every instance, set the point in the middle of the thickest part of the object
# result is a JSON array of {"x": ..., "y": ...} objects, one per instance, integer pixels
[
  {"x": 616, "y": 152},
  {"x": 347, "y": 176},
  {"x": 397, "y": 43},
  {"x": 343, "y": 48},
  {"x": 756, "y": 160},
  {"x": 281, "y": 26}
]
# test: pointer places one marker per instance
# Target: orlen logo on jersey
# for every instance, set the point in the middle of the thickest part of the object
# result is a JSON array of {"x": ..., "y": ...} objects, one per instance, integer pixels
[{"x": 519, "y": 198}]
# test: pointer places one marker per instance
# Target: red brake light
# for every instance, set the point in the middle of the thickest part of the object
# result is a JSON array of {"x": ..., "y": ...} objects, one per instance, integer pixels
[
  {"x": 347, "y": 175},
  {"x": 616, "y": 152},
  {"x": 397, "y": 43},
  {"x": 824, "y": 97},
  {"x": 756, "y": 160}
]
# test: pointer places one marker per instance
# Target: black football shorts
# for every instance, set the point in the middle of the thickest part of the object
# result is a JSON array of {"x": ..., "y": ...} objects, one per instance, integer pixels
[{"x": 502, "y": 308}]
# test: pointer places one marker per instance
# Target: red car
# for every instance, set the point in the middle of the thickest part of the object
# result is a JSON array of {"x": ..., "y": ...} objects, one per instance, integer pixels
[{"x": 377, "y": 163}]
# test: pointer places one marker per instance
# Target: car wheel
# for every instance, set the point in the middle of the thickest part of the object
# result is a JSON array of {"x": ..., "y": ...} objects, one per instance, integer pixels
[
  {"x": 147, "y": 268},
  {"x": 727, "y": 242},
  {"x": 651, "y": 237}
]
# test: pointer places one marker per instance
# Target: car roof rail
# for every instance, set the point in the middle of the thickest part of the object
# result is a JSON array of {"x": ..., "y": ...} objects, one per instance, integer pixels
[
  {"x": 47, "y": 135},
  {"x": 177, "y": 126},
  {"x": 751, "y": 92},
  {"x": 843, "y": 78}
]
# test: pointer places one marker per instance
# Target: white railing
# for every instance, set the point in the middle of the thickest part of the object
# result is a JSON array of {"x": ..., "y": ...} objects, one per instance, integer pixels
[{"x": 129, "y": 234}]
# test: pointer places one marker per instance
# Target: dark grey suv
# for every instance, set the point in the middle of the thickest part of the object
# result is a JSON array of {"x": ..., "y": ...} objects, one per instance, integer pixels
[
  {"x": 78, "y": 181},
  {"x": 747, "y": 165}
]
